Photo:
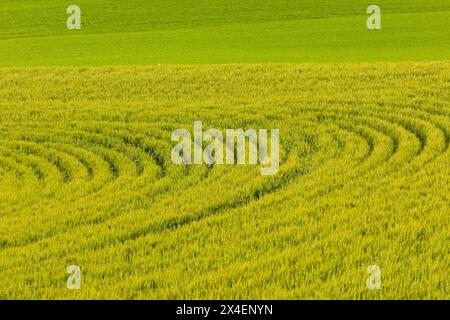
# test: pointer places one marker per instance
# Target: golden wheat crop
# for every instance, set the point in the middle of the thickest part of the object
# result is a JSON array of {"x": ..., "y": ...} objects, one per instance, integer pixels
[{"x": 86, "y": 179}]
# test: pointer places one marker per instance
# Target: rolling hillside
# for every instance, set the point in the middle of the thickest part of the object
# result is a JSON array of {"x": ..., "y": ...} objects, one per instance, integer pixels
[{"x": 199, "y": 31}]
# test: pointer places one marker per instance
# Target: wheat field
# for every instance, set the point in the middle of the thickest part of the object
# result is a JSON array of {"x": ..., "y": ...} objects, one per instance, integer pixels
[{"x": 86, "y": 179}]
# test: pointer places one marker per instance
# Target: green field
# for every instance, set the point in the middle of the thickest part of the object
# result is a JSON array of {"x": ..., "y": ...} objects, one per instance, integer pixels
[
  {"x": 233, "y": 31},
  {"x": 86, "y": 176}
]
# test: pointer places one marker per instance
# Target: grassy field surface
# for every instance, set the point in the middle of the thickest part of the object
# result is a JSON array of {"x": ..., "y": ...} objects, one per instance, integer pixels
[
  {"x": 86, "y": 179},
  {"x": 33, "y": 33},
  {"x": 86, "y": 176}
]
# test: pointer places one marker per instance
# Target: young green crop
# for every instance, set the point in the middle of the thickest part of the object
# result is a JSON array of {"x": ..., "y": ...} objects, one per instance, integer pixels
[{"x": 34, "y": 33}]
